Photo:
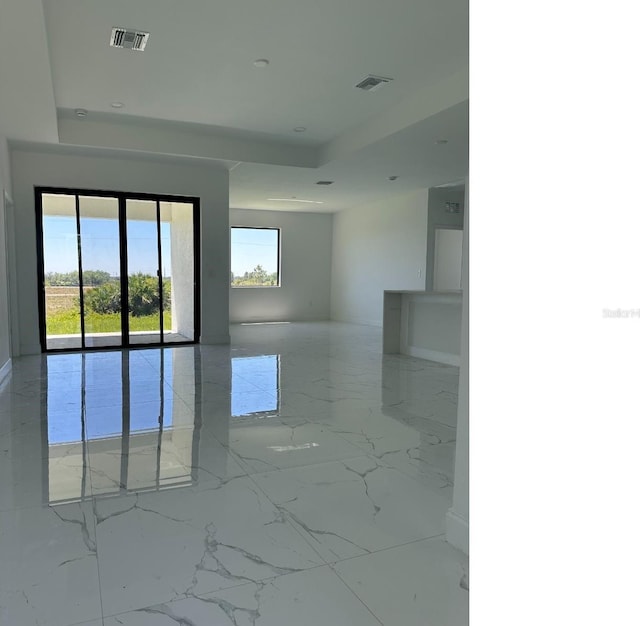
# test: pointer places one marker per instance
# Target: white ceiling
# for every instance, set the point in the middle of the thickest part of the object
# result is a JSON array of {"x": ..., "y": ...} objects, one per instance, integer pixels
[
  {"x": 195, "y": 92},
  {"x": 410, "y": 154}
]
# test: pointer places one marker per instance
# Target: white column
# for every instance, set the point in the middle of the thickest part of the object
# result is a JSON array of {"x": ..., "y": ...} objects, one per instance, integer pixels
[
  {"x": 457, "y": 523},
  {"x": 214, "y": 265},
  {"x": 182, "y": 259}
]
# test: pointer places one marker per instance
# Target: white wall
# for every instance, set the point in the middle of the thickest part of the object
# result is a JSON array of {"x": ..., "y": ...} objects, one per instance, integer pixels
[
  {"x": 457, "y": 524},
  {"x": 447, "y": 263},
  {"x": 376, "y": 247},
  {"x": 438, "y": 216},
  {"x": 182, "y": 260},
  {"x": 5, "y": 185},
  {"x": 305, "y": 270},
  {"x": 430, "y": 327},
  {"x": 208, "y": 182}
]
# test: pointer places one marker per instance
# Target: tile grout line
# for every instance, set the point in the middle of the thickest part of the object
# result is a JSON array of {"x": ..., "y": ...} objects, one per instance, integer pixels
[
  {"x": 364, "y": 454},
  {"x": 289, "y": 522},
  {"x": 223, "y": 590},
  {"x": 357, "y": 556},
  {"x": 95, "y": 527},
  {"x": 357, "y": 597}
]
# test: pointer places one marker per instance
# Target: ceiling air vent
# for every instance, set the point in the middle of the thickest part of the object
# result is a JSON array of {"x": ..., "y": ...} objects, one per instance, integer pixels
[
  {"x": 325, "y": 182},
  {"x": 371, "y": 82},
  {"x": 128, "y": 38}
]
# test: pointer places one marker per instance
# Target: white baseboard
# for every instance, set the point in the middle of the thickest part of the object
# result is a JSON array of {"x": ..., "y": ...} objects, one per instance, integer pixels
[
  {"x": 434, "y": 355},
  {"x": 457, "y": 529},
  {"x": 288, "y": 320},
  {"x": 5, "y": 370}
]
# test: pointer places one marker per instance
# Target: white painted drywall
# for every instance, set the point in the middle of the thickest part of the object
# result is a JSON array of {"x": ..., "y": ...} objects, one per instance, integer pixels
[
  {"x": 5, "y": 185},
  {"x": 431, "y": 326},
  {"x": 27, "y": 100},
  {"x": 438, "y": 217},
  {"x": 305, "y": 270},
  {"x": 447, "y": 260},
  {"x": 209, "y": 182},
  {"x": 457, "y": 524},
  {"x": 151, "y": 136},
  {"x": 182, "y": 260},
  {"x": 377, "y": 246}
]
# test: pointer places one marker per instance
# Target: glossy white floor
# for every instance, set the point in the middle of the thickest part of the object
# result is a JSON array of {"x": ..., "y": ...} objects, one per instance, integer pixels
[{"x": 296, "y": 477}]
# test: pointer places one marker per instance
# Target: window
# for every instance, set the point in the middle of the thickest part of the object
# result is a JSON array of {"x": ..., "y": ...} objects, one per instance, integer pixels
[{"x": 255, "y": 257}]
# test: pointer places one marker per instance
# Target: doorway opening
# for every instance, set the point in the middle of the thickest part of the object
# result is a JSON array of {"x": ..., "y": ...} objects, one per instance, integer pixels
[{"x": 117, "y": 269}]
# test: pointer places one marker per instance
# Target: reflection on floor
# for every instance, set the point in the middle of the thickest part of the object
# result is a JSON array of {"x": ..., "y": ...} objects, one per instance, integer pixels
[
  {"x": 105, "y": 340},
  {"x": 296, "y": 477}
]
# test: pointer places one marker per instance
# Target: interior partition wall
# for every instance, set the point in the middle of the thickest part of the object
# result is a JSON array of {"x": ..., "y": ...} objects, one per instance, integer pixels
[{"x": 117, "y": 269}]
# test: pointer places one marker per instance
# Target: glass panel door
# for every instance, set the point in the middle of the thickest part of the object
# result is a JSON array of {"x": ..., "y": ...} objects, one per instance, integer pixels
[
  {"x": 178, "y": 260},
  {"x": 62, "y": 310},
  {"x": 100, "y": 254},
  {"x": 117, "y": 270},
  {"x": 143, "y": 272}
]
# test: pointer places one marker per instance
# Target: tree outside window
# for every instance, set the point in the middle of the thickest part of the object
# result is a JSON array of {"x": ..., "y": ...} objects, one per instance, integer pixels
[{"x": 255, "y": 257}]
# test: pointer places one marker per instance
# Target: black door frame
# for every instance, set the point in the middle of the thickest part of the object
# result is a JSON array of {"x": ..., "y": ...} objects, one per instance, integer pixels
[{"x": 122, "y": 197}]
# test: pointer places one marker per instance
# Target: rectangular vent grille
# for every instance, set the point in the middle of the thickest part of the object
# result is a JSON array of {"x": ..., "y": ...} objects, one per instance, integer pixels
[
  {"x": 325, "y": 182},
  {"x": 452, "y": 207},
  {"x": 371, "y": 82},
  {"x": 129, "y": 39}
]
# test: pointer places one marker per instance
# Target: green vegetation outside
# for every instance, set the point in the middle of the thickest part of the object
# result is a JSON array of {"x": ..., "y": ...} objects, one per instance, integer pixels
[
  {"x": 68, "y": 323},
  {"x": 102, "y": 303},
  {"x": 90, "y": 278},
  {"x": 258, "y": 277}
]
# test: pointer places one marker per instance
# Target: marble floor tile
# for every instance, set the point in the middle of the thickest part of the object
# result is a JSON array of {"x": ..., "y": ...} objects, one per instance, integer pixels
[
  {"x": 313, "y": 598},
  {"x": 48, "y": 566},
  {"x": 221, "y": 484},
  {"x": 272, "y": 445},
  {"x": 22, "y": 461},
  {"x": 16, "y": 410},
  {"x": 438, "y": 406},
  {"x": 427, "y": 454},
  {"x": 166, "y": 545},
  {"x": 421, "y": 584},
  {"x": 432, "y": 465},
  {"x": 154, "y": 461},
  {"x": 356, "y": 506}
]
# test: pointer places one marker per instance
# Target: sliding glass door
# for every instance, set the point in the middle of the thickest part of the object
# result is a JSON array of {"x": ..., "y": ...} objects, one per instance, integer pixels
[
  {"x": 117, "y": 269},
  {"x": 61, "y": 290},
  {"x": 99, "y": 253},
  {"x": 144, "y": 277}
]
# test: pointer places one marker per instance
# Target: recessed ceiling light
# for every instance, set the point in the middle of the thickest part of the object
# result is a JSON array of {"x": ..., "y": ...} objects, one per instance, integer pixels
[
  {"x": 295, "y": 200},
  {"x": 441, "y": 142},
  {"x": 117, "y": 105},
  {"x": 81, "y": 113},
  {"x": 261, "y": 62},
  {"x": 299, "y": 129}
]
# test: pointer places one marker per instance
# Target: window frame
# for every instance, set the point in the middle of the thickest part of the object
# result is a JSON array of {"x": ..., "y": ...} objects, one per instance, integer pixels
[{"x": 278, "y": 259}]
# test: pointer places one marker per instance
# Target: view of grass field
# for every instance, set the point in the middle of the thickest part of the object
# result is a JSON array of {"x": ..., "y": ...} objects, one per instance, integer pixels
[{"x": 63, "y": 309}]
